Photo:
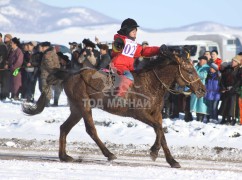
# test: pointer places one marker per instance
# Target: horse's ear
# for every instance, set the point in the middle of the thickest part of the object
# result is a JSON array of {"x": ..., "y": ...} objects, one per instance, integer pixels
[
  {"x": 183, "y": 55},
  {"x": 164, "y": 49},
  {"x": 186, "y": 52},
  {"x": 178, "y": 59}
]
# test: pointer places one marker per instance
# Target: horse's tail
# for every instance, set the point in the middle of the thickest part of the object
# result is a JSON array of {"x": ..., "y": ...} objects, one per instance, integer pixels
[
  {"x": 38, "y": 107},
  {"x": 55, "y": 77}
]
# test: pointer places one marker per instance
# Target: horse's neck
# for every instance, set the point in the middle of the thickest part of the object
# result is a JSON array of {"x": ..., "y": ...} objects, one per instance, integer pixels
[{"x": 153, "y": 81}]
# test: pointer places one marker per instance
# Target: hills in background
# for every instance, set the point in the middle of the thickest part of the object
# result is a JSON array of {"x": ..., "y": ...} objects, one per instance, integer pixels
[
  {"x": 32, "y": 16},
  {"x": 25, "y": 16}
]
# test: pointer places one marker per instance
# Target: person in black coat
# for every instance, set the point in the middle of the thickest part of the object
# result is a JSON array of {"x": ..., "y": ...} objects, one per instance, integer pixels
[
  {"x": 3, "y": 61},
  {"x": 230, "y": 82}
]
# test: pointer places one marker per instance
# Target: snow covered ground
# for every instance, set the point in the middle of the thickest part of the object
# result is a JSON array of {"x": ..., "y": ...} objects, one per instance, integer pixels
[{"x": 29, "y": 147}]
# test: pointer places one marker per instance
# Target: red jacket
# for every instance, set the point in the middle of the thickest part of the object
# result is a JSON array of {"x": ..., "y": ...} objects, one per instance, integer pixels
[
  {"x": 218, "y": 62},
  {"x": 123, "y": 59}
]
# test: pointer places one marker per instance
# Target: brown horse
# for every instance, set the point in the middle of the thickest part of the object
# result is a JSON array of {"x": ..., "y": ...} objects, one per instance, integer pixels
[{"x": 144, "y": 100}]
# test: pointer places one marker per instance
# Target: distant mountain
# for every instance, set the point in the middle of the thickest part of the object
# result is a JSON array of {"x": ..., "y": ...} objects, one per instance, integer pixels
[
  {"x": 32, "y": 16},
  {"x": 208, "y": 27},
  {"x": 200, "y": 27}
]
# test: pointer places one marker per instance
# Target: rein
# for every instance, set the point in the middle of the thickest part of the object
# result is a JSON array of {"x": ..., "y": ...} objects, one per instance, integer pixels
[
  {"x": 167, "y": 87},
  {"x": 172, "y": 90}
]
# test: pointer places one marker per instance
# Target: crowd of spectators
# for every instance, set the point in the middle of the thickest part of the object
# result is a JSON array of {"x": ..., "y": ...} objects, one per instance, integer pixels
[
  {"x": 23, "y": 64},
  {"x": 223, "y": 93}
]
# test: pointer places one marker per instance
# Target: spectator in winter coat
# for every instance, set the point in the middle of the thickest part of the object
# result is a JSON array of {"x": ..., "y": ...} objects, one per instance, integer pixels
[
  {"x": 208, "y": 54},
  {"x": 125, "y": 51},
  {"x": 7, "y": 74},
  {"x": 213, "y": 93},
  {"x": 15, "y": 62},
  {"x": 3, "y": 60},
  {"x": 198, "y": 105},
  {"x": 104, "y": 61},
  {"x": 35, "y": 58},
  {"x": 88, "y": 55},
  {"x": 49, "y": 62},
  {"x": 73, "y": 47},
  {"x": 215, "y": 59},
  {"x": 75, "y": 64},
  {"x": 240, "y": 92},
  {"x": 29, "y": 71},
  {"x": 230, "y": 83},
  {"x": 65, "y": 64}
]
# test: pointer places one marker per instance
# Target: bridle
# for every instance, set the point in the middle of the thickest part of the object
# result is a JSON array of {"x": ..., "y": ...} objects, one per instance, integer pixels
[
  {"x": 172, "y": 90},
  {"x": 187, "y": 81}
]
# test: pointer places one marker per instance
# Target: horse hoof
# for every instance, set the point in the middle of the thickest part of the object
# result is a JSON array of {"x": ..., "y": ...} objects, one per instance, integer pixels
[
  {"x": 111, "y": 157},
  {"x": 66, "y": 158},
  {"x": 176, "y": 165},
  {"x": 153, "y": 156}
]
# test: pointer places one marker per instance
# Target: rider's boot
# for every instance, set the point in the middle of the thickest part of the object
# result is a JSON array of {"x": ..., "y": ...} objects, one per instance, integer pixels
[{"x": 124, "y": 85}]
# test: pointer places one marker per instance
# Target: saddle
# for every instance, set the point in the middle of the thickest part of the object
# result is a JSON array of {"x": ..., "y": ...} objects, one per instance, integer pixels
[{"x": 112, "y": 78}]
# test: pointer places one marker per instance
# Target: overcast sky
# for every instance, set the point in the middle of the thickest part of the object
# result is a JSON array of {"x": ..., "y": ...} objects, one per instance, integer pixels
[{"x": 159, "y": 14}]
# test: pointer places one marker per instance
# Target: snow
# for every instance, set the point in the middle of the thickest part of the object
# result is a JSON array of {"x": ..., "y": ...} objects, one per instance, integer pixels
[
  {"x": 130, "y": 135},
  {"x": 43, "y": 170},
  {"x": 64, "y": 21},
  {"x": 123, "y": 130},
  {"x": 106, "y": 32}
]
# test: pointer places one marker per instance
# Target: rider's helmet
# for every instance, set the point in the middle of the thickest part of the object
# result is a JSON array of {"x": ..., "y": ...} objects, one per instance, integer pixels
[
  {"x": 129, "y": 23},
  {"x": 127, "y": 26}
]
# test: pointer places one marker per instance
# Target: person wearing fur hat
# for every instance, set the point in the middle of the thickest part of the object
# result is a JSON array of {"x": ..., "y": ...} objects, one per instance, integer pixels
[
  {"x": 213, "y": 93},
  {"x": 88, "y": 55},
  {"x": 15, "y": 62},
  {"x": 49, "y": 62},
  {"x": 58, "y": 88},
  {"x": 230, "y": 83},
  {"x": 124, "y": 52}
]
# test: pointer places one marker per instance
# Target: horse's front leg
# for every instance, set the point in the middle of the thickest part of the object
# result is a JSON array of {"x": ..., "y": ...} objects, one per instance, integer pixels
[
  {"x": 65, "y": 128},
  {"x": 157, "y": 145},
  {"x": 161, "y": 141},
  {"x": 173, "y": 163}
]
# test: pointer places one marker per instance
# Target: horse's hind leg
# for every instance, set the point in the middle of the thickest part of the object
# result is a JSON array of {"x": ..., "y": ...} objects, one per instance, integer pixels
[
  {"x": 91, "y": 130},
  {"x": 65, "y": 128}
]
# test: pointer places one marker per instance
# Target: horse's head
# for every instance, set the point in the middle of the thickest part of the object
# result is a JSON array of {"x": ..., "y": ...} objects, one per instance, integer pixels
[{"x": 187, "y": 75}]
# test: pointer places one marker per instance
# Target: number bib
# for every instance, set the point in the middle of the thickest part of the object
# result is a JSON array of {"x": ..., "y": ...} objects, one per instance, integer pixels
[{"x": 129, "y": 48}]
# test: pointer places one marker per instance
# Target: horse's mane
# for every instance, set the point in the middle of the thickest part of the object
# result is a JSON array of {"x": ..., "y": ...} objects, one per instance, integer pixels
[{"x": 159, "y": 61}]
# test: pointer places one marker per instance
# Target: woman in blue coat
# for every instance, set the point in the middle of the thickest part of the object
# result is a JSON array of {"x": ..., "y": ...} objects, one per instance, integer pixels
[{"x": 199, "y": 106}]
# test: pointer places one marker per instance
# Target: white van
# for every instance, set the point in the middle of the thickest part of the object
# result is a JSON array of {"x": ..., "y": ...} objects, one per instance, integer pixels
[
  {"x": 197, "y": 48},
  {"x": 230, "y": 45}
]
